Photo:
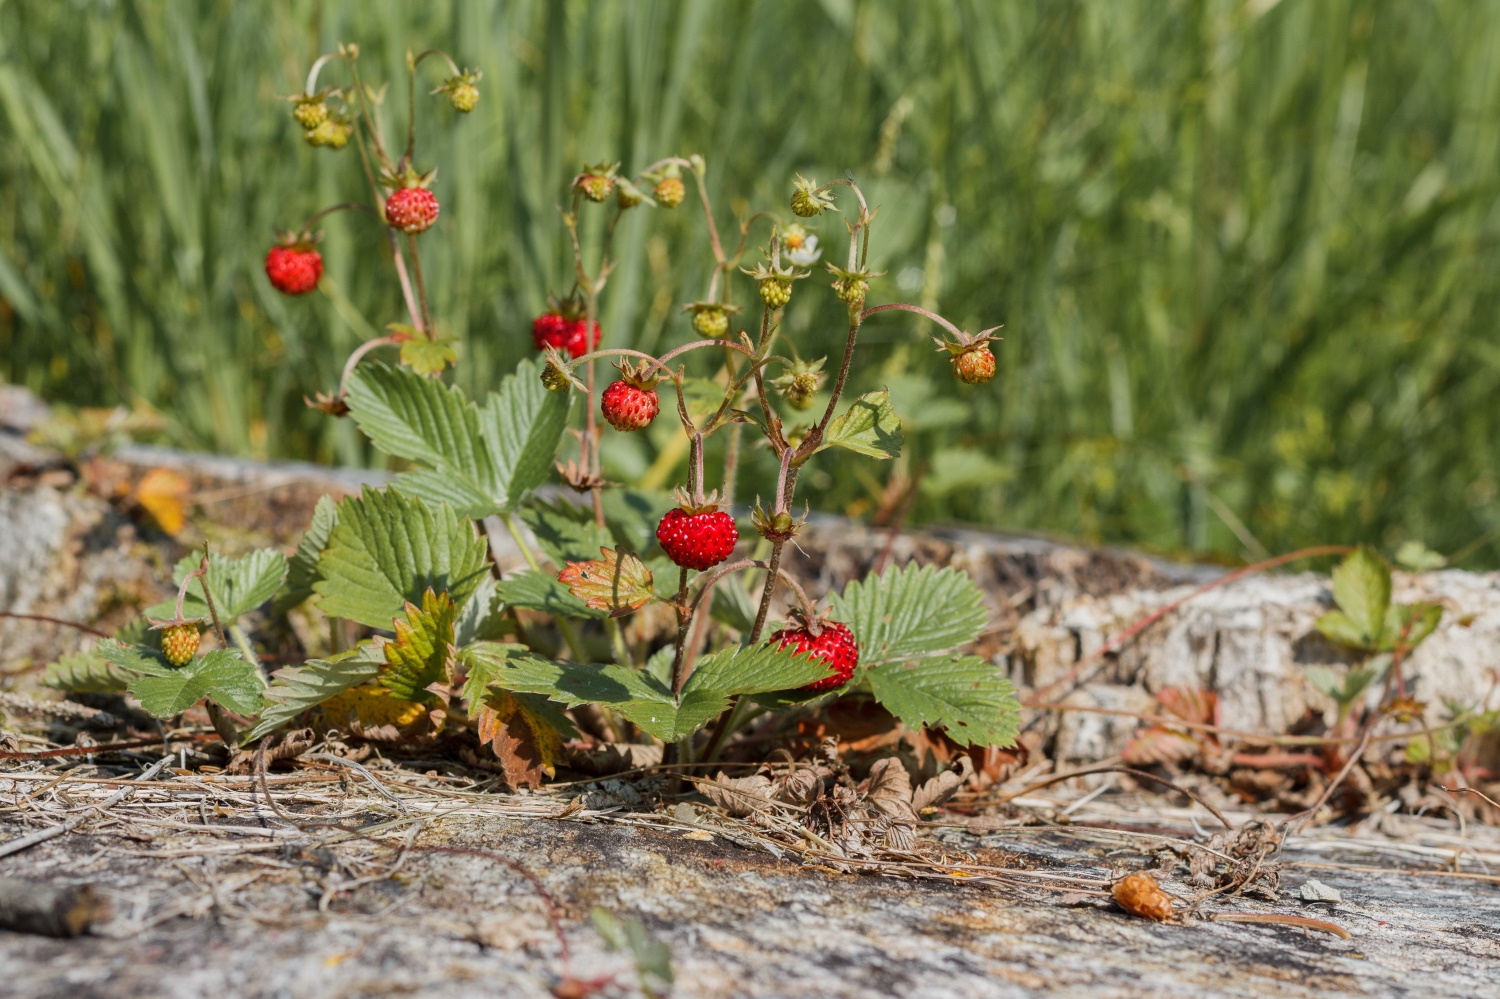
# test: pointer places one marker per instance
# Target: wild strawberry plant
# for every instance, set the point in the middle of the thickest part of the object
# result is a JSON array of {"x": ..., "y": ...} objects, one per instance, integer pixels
[{"x": 640, "y": 616}]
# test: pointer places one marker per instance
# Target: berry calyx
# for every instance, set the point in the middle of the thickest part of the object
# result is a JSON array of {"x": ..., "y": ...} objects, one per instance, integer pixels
[
  {"x": 834, "y": 644},
  {"x": 801, "y": 383},
  {"x": 411, "y": 209},
  {"x": 975, "y": 366},
  {"x": 630, "y": 402},
  {"x": 179, "y": 642},
  {"x": 669, "y": 192},
  {"x": 462, "y": 93},
  {"x": 330, "y": 132},
  {"x": 780, "y": 526},
  {"x": 697, "y": 537},
  {"x": 294, "y": 266},
  {"x": 807, "y": 200}
]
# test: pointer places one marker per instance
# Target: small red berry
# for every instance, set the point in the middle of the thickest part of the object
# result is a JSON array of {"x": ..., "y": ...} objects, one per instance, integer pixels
[
  {"x": 179, "y": 642},
  {"x": 295, "y": 269},
  {"x": 697, "y": 540},
  {"x": 411, "y": 209},
  {"x": 835, "y": 645},
  {"x": 553, "y": 329},
  {"x": 629, "y": 407},
  {"x": 975, "y": 366}
]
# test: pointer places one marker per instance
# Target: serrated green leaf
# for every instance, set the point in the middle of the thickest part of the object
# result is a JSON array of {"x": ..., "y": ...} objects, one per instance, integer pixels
[
  {"x": 422, "y": 652},
  {"x": 480, "y": 618},
  {"x": 86, "y": 673},
  {"x": 869, "y": 426},
  {"x": 632, "y": 516},
  {"x": 427, "y": 357},
  {"x": 221, "y": 676},
  {"x": 1416, "y": 620},
  {"x": 138, "y": 659},
  {"x": 388, "y": 549},
  {"x": 239, "y": 585},
  {"x": 540, "y": 591},
  {"x": 302, "y": 568},
  {"x": 909, "y": 611},
  {"x": 633, "y": 693},
  {"x": 1362, "y": 589},
  {"x": 718, "y": 677},
  {"x": 565, "y": 531},
  {"x": 296, "y": 689},
  {"x": 522, "y": 424},
  {"x": 480, "y": 460},
  {"x": 965, "y": 696},
  {"x": 1337, "y": 627}
]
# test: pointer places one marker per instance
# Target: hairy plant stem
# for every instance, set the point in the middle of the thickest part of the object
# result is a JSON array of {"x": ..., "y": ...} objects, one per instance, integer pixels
[
  {"x": 684, "y": 617},
  {"x": 416, "y": 267},
  {"x": 356, "y": 356}
]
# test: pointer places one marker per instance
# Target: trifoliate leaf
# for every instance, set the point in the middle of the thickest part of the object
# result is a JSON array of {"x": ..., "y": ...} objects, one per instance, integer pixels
[
  {"x": 908, "y": 612},
  {"x": 388, "y": 549},
  {"x": 869, "y": 426},
  {"x": 617, "y": 582},
  {"x": 238, "y": 585},
  {"x": 1416, "y": 620},
  {"x": 296, "y": 689},
  {"x": 480, "y": 460},
  {"x": 87, "y": 673},
  {"x": 964, "y": 695},
  {"x": 221, "y": 676},
  {"x": 302, "y": 569},
  {"x": 541, "y": 591},
  {"x": 423, "y": 652},
  {"x": 1362, "y": 589},
  {"x": 565, "y": 531}
]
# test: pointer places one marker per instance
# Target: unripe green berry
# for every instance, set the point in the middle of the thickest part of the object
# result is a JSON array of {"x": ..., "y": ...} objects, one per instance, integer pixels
[
  {"x": 670, "y": 191},
  {"x": 775, "y": 292},
  {"x": 463, "y": 95},
  {"x": 711, "y": 322},
  {"x": 310, "y": 113}
]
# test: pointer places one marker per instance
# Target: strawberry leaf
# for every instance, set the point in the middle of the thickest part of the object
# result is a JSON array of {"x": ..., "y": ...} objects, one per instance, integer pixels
[
  {"x": 423, "y": 652},
  {"x": 388, "y": 549},
  {"x": 541, "y": 591},
  {"x": 617, "y": 582},
  {"x": 221, "y": 676},
  {"x": 302, "y": 568},
  {"x": 909, "y": 612},
  {"x": 964, "y": 695},
  {"x": 1362, "y": 589},
  {"x": 239, "y": 585},
  {"x": 295, "y": 689},
  {"x": 869, "y": 426},
  {"x": 87, "y": 673},
  {"x": 565, "y": 531}
]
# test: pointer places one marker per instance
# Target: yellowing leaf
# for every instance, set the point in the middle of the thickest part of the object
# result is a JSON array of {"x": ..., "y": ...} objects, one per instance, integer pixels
[
  {"x": 427, "y": 357},
  {"x": 617, "y": 582},
  {"x": 161, "y": 493},
  {"x": 526, "y": 744},
  {"x": 422, "y": 654},
  {"x": 371, "y": 712}
]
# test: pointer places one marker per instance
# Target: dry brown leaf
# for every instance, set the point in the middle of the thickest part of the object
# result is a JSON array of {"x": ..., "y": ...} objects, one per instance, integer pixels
[
  {"x": 801, "y": 788},
  {"x": 1159, "y": 744},
  {"x": 888, "y": 790},
  {"x": 162, "y": 494},
  {"x": 739, "y": 796},
  {"x": 1140, "y": 895},
  {"x": 526, "y": 745},
  {"x": 942, "y": 787}
]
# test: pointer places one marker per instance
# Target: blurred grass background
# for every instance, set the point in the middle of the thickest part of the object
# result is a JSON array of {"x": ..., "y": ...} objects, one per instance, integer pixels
[{"x": 1244, "y": 249}]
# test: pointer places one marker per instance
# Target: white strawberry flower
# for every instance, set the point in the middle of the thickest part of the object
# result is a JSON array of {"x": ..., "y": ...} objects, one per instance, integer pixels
[{"x": 800, "y": 247}]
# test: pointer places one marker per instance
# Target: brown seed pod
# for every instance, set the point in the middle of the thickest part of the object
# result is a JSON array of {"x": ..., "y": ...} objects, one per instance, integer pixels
[{"x": 1140, "y": 895}]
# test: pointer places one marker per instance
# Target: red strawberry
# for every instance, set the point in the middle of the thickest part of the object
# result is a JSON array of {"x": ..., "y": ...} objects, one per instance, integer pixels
[
  {"x": 835, "y": 645},
  {"x": 583, "y": 336},
  {"x": 294, "y": 268},
  {"x": 974, "y": 366},
  {"x": 554, "y": 329},
  {"x": 630, "y": 403},
  {"x": 411, "y": 209},
  {"x": 697, "y": 537},
  {"x": 179, "y": 642}
]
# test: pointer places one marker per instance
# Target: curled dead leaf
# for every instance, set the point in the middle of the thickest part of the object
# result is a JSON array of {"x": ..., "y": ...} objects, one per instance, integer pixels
[
  {"x": 942, "y": 787},
  {"x": 739, "y": 796},
  {"x": 524, "y": 742},
  {"x": 888, "y": 790}
]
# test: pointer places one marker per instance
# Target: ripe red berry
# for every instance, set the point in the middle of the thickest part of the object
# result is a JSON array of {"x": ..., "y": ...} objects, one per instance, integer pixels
[
  {"x": 835, "y": 645},
  {"x": 629, "y": 407},
  {"x": 975, "y": 366},
  {"x": 553, "y": 329},
  {"x": 697, "y": 540},
  {"x": 179, "y": 642},
  {"x": 411, "y": 209},
  {"x": 294, "y": 270}
]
